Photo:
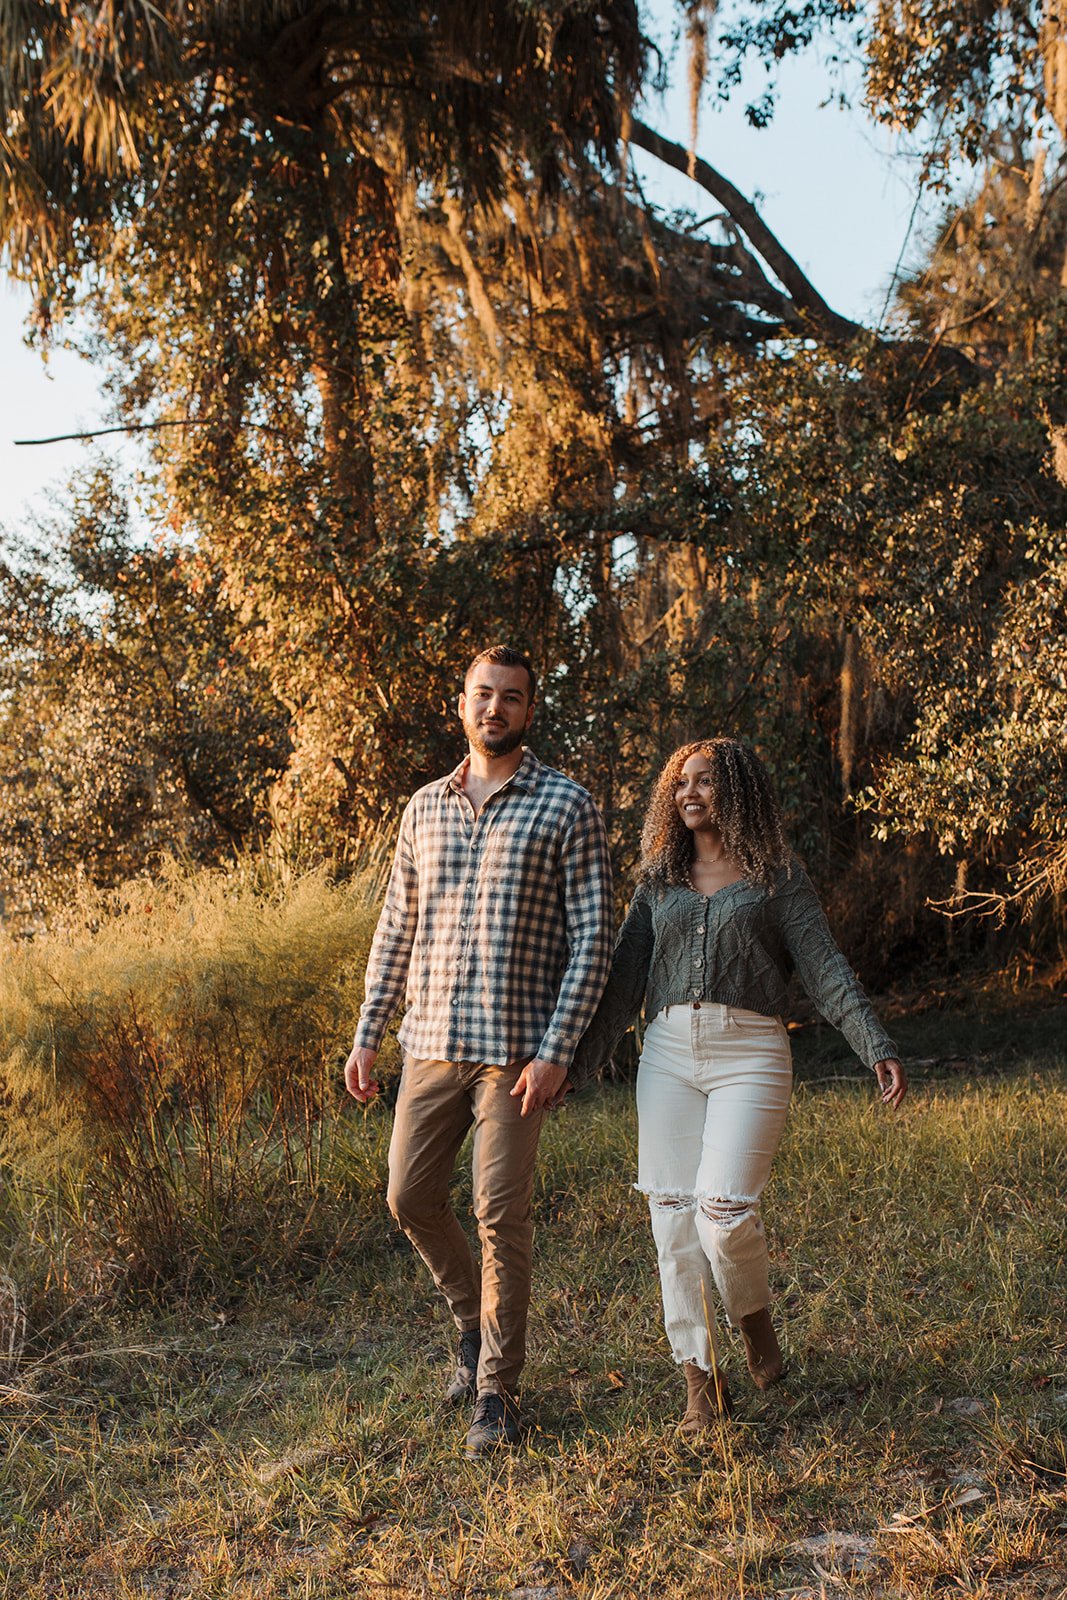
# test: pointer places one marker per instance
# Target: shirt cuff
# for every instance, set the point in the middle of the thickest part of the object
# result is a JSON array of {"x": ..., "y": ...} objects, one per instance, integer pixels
[
  {"x": 553, "y": 1050},
  {"x": 370, "y": 1032}
]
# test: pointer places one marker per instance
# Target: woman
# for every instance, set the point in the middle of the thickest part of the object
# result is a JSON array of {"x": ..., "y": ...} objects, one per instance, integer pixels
[{"x": 721, "y": 917}]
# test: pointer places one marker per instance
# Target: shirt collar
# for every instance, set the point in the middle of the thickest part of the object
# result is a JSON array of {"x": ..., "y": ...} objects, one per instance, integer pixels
[{"x": 525, "y": 776}]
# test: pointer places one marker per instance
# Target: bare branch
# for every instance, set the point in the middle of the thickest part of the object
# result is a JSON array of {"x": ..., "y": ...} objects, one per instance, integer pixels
[
  {"x": 1037, "y": 876},
  {"x": 145, "y": 427},
  {"x": 744, "y": 214}
]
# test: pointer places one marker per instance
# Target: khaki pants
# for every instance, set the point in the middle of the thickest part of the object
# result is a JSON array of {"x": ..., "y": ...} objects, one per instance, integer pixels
[{"x": 438, "y": 1102}]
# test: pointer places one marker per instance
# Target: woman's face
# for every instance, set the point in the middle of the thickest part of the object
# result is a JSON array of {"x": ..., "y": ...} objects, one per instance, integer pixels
[{"x": 694, "y": 794}]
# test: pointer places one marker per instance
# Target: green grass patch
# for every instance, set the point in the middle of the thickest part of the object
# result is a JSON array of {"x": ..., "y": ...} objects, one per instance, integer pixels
[{"x": 286, "y": 1441}]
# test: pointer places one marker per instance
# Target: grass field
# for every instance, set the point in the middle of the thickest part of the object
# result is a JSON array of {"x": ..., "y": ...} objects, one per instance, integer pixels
[{"x": 284, "y": 1440}]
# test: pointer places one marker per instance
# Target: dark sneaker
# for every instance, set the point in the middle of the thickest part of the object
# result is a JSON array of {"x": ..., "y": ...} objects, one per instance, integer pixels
[
  {"x": 464, "y": 1385},
  {"x": 496, "y": 1422}
]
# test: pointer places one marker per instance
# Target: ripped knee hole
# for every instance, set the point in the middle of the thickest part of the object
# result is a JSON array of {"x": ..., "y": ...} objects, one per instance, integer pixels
[{"x": 726, "y": 1213}]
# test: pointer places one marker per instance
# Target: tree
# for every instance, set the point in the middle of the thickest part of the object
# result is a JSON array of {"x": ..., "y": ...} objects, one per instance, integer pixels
[
  {"x": 254, "y": 166},
  {"x": 426, "y": 368},
  {"x": 985, "y": 771},
  {"x": 133, "y": 723},
  {"x": 373, "y": 282}
]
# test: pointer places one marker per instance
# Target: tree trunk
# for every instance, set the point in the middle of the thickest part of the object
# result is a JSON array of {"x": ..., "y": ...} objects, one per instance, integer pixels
[{"x": 846, "y": 730}]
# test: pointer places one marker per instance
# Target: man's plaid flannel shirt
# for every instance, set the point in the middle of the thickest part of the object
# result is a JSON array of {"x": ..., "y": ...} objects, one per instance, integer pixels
[{"x": 499, "y": 927}]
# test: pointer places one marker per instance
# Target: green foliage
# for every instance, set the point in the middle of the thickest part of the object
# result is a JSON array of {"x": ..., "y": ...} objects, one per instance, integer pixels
[
  {"x": 134, "y": 723},
  {"x": 927, "y": 517},
  {"x": 255, "y": 299}
]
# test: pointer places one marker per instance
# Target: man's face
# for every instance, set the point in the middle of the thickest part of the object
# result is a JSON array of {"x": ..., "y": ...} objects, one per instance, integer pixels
[{"x": 495, "y": 707}]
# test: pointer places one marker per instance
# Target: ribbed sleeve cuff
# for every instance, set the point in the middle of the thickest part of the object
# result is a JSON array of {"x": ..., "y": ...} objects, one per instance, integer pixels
[{"x": 878, "y": 1047}]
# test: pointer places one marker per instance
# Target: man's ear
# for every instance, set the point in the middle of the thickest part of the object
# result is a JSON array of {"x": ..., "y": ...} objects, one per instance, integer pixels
[
  {"x": 530, "y": 713},
  {"x": 461, "y": 704}
]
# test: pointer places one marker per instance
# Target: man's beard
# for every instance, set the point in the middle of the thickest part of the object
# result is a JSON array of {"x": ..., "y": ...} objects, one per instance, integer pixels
[{"x": 492, "y": 744}]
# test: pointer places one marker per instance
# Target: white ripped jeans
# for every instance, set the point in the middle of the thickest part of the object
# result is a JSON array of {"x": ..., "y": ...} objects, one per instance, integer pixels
[{"x": 713, "y": 1091}]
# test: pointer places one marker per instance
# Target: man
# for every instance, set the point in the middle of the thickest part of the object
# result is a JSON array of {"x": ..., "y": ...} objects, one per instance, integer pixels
[{"x": 497, "y": 921}]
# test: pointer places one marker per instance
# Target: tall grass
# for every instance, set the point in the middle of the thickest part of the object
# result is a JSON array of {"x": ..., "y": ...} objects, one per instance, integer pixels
[
  {"x": 262, "y": 1421},
  {"x": 169, "y": 1071},
  {"x": 915, "y": 1449}
]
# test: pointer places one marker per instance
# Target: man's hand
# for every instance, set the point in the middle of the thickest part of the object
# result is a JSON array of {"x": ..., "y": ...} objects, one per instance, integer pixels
[
  {"x": 892, "y": 1080},
  {"x": 359, "y": 1079},
  {"x": 539, "y": 1084}
]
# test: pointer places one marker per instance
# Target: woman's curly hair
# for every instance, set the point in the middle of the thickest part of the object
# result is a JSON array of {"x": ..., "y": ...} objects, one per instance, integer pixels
[{"x": 746, "y": 812}]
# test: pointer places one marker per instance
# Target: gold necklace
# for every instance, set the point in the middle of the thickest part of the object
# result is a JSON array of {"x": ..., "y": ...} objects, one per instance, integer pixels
[{"x": 711, "y": 861}]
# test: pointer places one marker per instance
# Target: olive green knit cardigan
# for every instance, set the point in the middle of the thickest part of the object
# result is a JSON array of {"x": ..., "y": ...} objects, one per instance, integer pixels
[{"x": 737, "y": 947}]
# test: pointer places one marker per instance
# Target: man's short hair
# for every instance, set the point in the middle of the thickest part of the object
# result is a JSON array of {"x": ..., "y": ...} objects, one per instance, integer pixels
[{"x": 503, "y": 655}]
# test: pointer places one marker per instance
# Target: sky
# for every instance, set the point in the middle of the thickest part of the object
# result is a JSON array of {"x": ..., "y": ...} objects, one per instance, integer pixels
[{"x": 837, "y": 190}]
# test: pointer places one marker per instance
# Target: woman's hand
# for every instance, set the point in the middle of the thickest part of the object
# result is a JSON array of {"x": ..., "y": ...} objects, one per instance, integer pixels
[
  {"x": 892, "y": 1080},
  {"x": 560, "y": 1095}
]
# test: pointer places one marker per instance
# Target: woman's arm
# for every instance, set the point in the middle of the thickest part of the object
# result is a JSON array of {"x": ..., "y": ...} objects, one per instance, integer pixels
[
  {"x": 831, "y": 984},
  {"x": 624, "y": 994}
]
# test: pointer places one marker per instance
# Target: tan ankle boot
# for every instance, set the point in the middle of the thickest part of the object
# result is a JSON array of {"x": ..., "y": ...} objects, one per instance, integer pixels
[
  {"x": 762, "y": 1352},
  {"x": 707, "y": 1399}
]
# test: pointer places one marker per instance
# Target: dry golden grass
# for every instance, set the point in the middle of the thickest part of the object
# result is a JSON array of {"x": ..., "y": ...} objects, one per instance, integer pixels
[
  {"x": 283, "y": 1440},
  {"x": 168, "y": 1076}
]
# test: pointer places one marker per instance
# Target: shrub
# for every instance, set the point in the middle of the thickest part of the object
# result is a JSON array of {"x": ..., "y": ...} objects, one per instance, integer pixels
[{"x": 170, "y": 1072}]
